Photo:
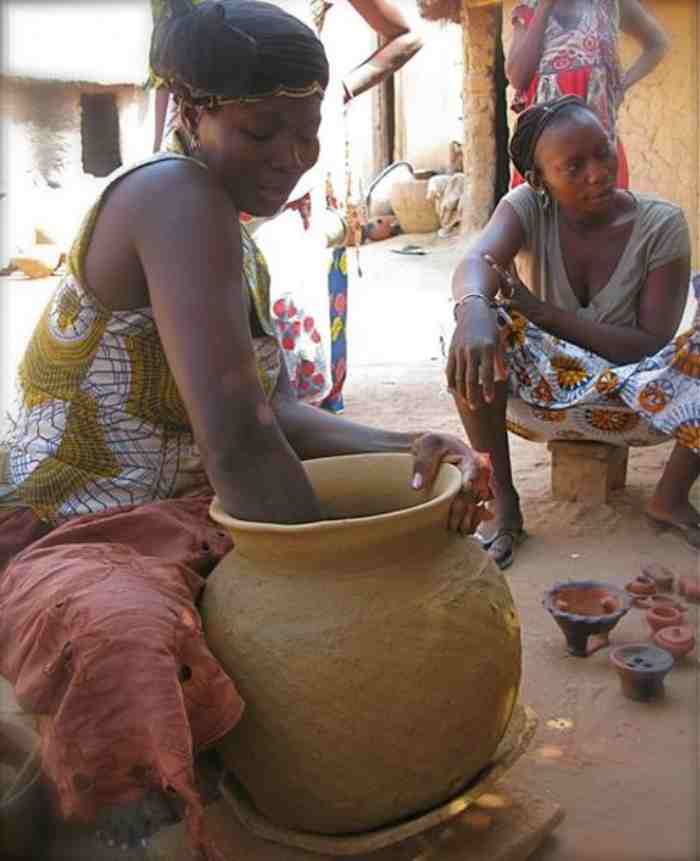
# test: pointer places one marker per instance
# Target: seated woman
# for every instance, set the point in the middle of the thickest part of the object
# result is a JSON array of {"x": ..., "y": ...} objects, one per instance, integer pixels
[
  {"x": 153, "y": 380},
  {"x": 589, "y": 353}
]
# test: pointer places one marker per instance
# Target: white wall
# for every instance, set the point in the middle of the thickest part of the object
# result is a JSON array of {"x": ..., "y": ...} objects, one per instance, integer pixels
[{"x": 429, "y": 111}]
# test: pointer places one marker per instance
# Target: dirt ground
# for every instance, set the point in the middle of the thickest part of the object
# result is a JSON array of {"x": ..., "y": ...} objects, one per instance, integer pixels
[{"x": 626, "y": 773}]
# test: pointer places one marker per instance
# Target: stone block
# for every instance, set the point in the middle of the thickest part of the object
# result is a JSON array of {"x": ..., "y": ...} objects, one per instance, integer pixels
[{"x": 587, "y": 471}]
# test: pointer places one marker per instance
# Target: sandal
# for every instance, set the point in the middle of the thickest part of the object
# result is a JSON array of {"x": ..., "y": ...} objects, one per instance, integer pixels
[
  {"x": 501, "y": 547},
  {"x": 689, "y": 531}
]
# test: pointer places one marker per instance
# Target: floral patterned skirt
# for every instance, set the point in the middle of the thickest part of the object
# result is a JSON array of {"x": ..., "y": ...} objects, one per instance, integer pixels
[{"x": 560, "y": 391}]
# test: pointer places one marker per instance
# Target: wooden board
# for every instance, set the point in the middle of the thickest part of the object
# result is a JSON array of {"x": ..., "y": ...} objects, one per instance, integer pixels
[
  {"x": 509, "y": 833},
  {"x": 513, "y": 745}
]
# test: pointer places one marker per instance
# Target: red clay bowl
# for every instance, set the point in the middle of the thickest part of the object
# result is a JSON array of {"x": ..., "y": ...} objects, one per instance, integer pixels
[
  {"x": 661, "y": 617},
  {"x": 678, "y": 640}
]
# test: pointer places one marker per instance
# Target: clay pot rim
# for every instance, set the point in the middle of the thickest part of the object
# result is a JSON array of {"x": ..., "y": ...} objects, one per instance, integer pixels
[
  {"x": 615, "y": 591},
  {"x": 687, "y": 635},
  {"x": 447, "y": 472},
  {"x": 648, "y": 602},
  {"x": 618, "y": 653},
  {"x": 662, "y": 611}
]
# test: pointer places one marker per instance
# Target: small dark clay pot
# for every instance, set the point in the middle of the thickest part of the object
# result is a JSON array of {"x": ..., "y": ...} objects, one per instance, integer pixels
[
  {"x": 641, "y": 585},
  {"x": 662, "y": 577},
  {"x": 677, "y": 640},
  {"x": 585, "y": 607},
  {"x": 641, "y": 669},
  {"x": 659, "y": 617}
]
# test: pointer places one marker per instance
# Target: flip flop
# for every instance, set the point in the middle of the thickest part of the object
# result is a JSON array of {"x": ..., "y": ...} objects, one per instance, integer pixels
[
  {"x": 504, "y": 556},
  {"x": 689, "y": 531},
  {"x": 485, "y": 542}
]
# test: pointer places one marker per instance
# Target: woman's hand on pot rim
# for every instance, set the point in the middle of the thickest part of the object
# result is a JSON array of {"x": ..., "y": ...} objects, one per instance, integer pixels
[{"x": 468, "y": 508}]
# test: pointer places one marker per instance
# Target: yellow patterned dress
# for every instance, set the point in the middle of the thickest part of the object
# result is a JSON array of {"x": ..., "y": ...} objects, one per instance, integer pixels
[
  {"x": 100, "y": 422},
  {"x": 559, "y": 390}
]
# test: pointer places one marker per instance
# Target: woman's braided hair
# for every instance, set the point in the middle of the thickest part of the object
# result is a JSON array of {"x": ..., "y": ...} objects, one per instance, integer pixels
[
  {"x": 229, "y": 50},
  {"x": 531, "y": 125}
]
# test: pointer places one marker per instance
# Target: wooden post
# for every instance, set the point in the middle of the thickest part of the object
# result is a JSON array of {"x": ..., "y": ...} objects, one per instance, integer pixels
[{"x": 480, "y": 27}]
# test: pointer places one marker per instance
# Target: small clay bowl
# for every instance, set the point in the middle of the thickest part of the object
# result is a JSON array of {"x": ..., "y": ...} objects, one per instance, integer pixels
[
  {"x": 641, "y": 669},
  {"x": 641, "y": 585},
  {"x": 585, "y": 607},
  {"x": 662, "y": 577},
  {"x": 659, "y": 617},
  {"x": 678, "y": 640},
  {"x": 647, "y": 602}
]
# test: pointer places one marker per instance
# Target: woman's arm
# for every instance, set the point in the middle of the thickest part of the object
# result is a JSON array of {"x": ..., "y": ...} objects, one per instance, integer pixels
[
  {"x": 402, "y": 43},
  {"x": 638, "y": 23},
  {"x": 526, "y": 48},
  {"x": 185, "y": 231},
  {"x": 471, "y": 365},
  {"x": 660, "y": 310},
  {"x": 315, "y": 433}
]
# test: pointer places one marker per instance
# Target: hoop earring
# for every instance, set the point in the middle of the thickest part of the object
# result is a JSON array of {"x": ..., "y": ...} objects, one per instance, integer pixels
[{"x": 544, "y": 197}]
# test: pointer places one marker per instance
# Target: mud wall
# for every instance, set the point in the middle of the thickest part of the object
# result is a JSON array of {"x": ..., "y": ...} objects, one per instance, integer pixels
[{"x": 42, "y": 165}]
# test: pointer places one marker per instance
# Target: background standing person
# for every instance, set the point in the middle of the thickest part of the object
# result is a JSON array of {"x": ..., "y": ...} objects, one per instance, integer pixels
[
  {"x": 310, "y": 305},
  {"x": 570, "y": 48}
]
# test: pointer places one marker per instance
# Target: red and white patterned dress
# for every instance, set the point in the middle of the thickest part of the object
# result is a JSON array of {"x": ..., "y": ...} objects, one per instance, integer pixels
[{"x": 582, "y": 61}]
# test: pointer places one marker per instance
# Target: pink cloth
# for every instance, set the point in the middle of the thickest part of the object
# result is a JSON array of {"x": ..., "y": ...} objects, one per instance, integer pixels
[{"x": 100, "y": 635}]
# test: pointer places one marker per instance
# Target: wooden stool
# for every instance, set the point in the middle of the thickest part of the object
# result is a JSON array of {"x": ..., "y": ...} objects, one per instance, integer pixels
[{"x": 587, "y": 471}]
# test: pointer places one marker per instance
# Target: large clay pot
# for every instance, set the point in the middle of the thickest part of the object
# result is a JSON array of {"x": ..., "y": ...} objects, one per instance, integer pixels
[
  {"x": 409, "y": 200},
  {"x": 379, "y": 654}
]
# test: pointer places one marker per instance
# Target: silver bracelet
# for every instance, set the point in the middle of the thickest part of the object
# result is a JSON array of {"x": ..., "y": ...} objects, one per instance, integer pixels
[{"x": 462, "y": 299}]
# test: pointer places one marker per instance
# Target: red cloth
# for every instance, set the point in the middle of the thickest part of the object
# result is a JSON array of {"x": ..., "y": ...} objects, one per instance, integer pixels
[{"x": 100, "y": 635}]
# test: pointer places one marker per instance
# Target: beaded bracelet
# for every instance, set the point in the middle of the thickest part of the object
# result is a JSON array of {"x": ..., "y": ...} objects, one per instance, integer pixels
[{"x": 462, "y": 299}]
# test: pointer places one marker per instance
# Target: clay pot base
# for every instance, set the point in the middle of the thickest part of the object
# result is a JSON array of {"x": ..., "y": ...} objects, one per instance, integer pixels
[{"x": 515, "y": 742}]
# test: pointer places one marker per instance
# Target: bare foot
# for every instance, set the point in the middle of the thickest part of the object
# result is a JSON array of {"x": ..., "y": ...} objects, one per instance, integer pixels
[{"x": 128, "y": 826}]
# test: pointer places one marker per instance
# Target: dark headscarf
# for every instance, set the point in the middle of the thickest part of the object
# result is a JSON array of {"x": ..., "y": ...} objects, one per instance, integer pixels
[
  {"x": 532, "y": 123},
  {"x": 236, "y": 50}
]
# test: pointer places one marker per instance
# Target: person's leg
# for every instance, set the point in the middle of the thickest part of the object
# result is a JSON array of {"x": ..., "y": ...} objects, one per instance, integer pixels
[
  {"x": 670, "y": 503},
  {"x": 486, "y": 429}
]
